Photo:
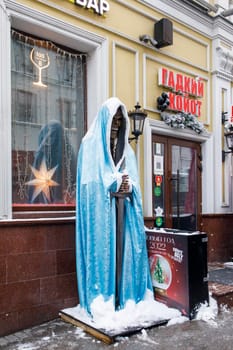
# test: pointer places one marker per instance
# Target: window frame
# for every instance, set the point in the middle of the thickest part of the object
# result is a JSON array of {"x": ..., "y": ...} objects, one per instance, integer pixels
[
  {"x": 27, "y": 95},
  {"x": 61, "y": 32}
]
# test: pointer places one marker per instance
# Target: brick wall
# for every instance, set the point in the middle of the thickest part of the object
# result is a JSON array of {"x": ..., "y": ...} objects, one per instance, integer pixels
[
  {"x": 220, "y": 236},
  {"x": 37, "y": 272}
]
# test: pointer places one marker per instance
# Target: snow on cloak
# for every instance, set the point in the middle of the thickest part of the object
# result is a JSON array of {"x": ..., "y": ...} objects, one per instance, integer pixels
[{"x": 97, "y": 177}]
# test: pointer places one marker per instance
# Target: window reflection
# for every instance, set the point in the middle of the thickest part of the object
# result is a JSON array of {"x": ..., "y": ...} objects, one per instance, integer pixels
[{"x": 47, "y": 121}]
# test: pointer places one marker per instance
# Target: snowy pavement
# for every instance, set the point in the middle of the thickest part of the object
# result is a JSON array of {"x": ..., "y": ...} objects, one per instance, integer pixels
[{"x": 210, "y": 331}]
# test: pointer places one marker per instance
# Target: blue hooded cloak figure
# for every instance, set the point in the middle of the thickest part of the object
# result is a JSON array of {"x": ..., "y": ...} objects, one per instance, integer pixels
[{"x": 99, "y": 174}]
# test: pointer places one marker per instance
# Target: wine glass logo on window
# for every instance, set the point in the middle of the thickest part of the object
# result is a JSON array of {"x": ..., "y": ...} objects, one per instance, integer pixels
[{"x": 41, "y": 61}]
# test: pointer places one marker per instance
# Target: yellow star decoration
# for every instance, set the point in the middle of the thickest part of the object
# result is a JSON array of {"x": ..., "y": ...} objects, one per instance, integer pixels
[{"x": 43, "y": 180}]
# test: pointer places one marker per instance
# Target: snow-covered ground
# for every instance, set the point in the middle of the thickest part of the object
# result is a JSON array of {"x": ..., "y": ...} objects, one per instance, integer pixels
[{"x": 211, "y": 329}]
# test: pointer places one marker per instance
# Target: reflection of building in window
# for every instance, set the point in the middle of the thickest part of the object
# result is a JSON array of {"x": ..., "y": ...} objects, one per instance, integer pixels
[
  {"x": 53, "y": 169},
  {"x": 19, "y": 57},
  {"x": 25, "y": 110},
  {"x": 61, "y": 99},
  {"x": 181, "y": 164},
  {"x": 65, "y": 70},
  {"x": 66, "y": 109}
]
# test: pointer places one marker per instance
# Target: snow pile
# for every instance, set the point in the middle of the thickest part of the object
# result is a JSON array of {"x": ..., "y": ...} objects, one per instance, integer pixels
[
  {"x": 229, "y": 264},
  {"x": 177, "y": 320},
  {"x": 208, "y": 313},
  {"x": 143, "y": 314},
  {"x": 145, "y": 338},
  {"x": 28, "y": 346},
  {"x": 205, "y": 312},
  {"x": 104, "y": 315}
]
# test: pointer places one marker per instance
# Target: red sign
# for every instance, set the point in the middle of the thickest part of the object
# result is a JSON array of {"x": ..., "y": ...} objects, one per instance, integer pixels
[
  {"x": 158, "y": 180},
  {"x": 184, "y": 104},
  {"x": 184, "y": 89}
]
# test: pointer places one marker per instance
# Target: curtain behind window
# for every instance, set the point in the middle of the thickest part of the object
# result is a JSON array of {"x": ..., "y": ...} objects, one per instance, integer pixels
[{"x": 48, "y": 100}]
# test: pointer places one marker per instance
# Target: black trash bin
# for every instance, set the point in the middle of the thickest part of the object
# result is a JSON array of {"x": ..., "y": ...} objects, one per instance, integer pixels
[{"x": 179, "y": 270}]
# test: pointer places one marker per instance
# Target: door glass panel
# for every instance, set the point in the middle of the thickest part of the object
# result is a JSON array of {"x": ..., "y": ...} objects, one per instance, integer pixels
[
  {"x": 184, "y": 188},
  {"x": 158, "y": 184}
]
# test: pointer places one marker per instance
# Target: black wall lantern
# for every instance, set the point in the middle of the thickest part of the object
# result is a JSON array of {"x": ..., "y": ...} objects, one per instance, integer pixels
[
  {"x": 137, "y": 117},
  {"x": 229, "y": 140},
  {"x": 224, "y": 117}
]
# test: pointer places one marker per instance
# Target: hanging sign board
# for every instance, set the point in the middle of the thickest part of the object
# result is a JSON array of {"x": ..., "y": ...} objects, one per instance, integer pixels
[
  {"x": 98, "y": 6},
  {"x": 186, "y": 92}
]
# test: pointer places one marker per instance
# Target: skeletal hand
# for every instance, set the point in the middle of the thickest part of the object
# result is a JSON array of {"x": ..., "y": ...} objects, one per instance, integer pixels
[{"x": 125, "y": 184}]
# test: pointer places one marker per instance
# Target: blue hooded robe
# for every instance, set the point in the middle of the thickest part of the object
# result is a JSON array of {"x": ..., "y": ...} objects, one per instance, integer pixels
[{"x": 97, "y": 177}]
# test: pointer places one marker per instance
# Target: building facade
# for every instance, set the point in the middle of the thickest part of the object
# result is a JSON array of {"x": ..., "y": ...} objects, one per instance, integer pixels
[{"x": 59, "y": 61}]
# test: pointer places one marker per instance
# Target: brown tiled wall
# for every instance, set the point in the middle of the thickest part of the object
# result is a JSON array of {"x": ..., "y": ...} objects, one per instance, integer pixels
[
  {"x": 219, "y": 228},
  {"x": 37, "y": 272}
]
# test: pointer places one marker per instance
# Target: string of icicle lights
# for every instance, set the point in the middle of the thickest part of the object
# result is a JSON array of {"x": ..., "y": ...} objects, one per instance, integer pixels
[{"x": 45, "y": 44}]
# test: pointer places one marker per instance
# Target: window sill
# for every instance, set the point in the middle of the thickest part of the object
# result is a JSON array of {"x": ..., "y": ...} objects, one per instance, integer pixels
[{"x": 43, "y": 212}]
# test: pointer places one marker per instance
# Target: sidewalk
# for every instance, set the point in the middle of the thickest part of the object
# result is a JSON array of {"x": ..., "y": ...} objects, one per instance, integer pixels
[
  {"x": 190, "y": 335},
  {"x": 221, "y": 287},
  {"x": 213, "y": 333}
]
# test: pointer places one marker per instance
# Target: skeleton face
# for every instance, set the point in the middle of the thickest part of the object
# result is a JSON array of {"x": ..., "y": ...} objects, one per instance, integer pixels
[{"x": 116, "y": 123}]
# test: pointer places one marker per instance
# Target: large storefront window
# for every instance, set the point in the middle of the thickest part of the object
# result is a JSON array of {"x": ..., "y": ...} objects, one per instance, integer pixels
[{"x": 48, "y": 120}]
